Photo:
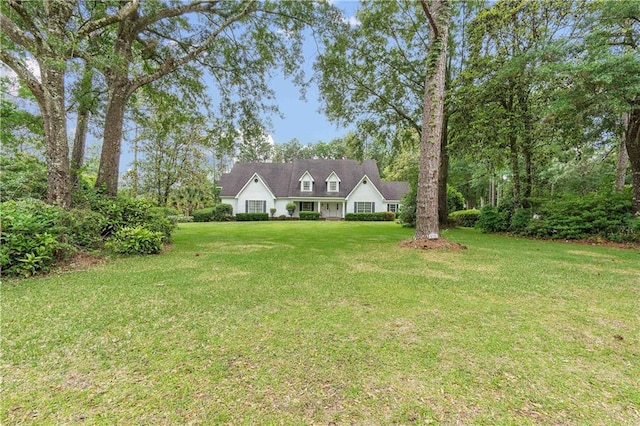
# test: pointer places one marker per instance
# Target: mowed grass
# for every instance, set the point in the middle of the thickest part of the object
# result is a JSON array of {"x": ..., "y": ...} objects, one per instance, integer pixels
[{"x": 328, "y": 322}]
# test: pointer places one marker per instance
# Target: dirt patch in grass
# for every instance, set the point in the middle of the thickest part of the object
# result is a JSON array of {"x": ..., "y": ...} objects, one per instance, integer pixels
[
  {"x": 437, "y": 244},
  {"x": 81, "y": 261}
]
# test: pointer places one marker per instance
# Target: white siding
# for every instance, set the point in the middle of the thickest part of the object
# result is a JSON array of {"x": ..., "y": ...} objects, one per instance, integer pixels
[
  {"x": 254, "y": 191},
  {"x": 365, "y": 192}
]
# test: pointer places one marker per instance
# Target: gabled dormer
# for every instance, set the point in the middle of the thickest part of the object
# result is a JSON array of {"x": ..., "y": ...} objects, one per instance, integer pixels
[
  {"x": 306, "y": 182},
  {"x": 333, "y": 182}
]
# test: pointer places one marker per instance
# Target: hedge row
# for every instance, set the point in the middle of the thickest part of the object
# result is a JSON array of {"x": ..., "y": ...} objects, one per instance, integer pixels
[
  {"x": 309, "y": 216},
  {"x": 467, "y": 218},
  {"x": 248, "y": 217},
  {"x": 371, "y": 217},
  {"x": 606, "y": 215},
  {"x": 219, "y": 213}
]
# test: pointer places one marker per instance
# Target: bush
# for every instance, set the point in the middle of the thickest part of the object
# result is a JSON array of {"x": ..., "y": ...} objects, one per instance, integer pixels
[
  {"x": 407, "y": 214},
  {"x": 282, "y": 217},
  {"x": 309, "y": 216},
  {"x": 84, "y": 228},
  {"x": 135, "y": 240},
  {"x": 222, "y": 212},
  {"x": 180, "y": 218},
  {"x": 605, "y": 215},
  {"x": 203, "y": 215},
  {"x": 520, "y": 220},
  {"x": 467, "y": 218},
  {"x": 247, "y": 217},
  {"x": 492, "y": 219},
  {"x": 291, "y": 208},
  {"x": 455, "y": 199},
  {"x": 370, "y": 217},
  {"x": 29, "y": 241}
]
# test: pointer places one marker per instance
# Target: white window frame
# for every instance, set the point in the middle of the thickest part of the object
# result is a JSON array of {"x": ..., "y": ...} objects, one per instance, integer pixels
[
  {"x": 333, "y": 186},
  {"x": 364, "y": 207},
  {"x": 256, "y": 206},
  {"x": 306, "y": 186},
  {"x": 393, "y": 207}
]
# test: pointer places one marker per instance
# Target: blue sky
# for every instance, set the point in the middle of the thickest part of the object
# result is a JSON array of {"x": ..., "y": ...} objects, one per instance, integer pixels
[{"x": 303, "y": 119}]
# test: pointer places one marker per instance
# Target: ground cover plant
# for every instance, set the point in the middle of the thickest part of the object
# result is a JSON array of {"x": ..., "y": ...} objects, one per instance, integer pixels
[{"x": 292, "y": 322}]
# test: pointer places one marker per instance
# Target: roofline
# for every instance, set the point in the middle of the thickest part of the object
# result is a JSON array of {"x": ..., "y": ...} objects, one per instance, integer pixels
[
  {"x": 358, "y": 184},
  {"x": 261, "y": 180}
]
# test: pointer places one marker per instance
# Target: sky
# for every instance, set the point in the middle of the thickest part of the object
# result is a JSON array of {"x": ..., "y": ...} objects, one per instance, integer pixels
[{"x": 303, "y": 119}]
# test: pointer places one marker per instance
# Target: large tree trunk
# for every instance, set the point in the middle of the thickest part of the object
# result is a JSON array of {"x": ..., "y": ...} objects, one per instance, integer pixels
[
  {"x": 79, "y": 144},
  {"x": 623, "y": 158},
  {"x": 109, "y": 169},
  {"x": 427, "y": 225},
  {"x": 443, "y": 208},
  {"x": 632, "y": 141},
  {"x": 515, "y": 171},
  {"x": 54, "y": 116}
]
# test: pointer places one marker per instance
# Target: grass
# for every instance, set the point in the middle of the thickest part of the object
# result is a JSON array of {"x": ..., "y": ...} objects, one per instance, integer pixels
[{"x": 313, "y": 323}]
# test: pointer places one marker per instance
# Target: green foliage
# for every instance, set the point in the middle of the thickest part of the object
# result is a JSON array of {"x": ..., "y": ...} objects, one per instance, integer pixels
[
  {"x": 455, "y": 199},
  {"x": 282, "y": 217},
  {"x": 246, "y": 217},
  {"x": 29, "y": 237},
  {"x": 605, "y": 215},
  {"x": 135, "y": 240},
  {"x": 203, "y": 215},
  {"x": 23, "y": 176},
  {"x": 273, "y": 211},
  {"x": 291, "y": 208},
  {"x": 520, "y": 220},
  {"x": 407, "y": 214},
  {"x": 493, "y": 219},
  {"x": 309, "y": 216},
  {"x": 371, "y": 217},
  {"x": 467, "y": 218},
  {"x": 219, "y": 213}
]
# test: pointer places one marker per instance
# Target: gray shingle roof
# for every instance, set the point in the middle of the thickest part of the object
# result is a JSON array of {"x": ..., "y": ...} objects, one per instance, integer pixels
[{"x": 283, "y": 179}]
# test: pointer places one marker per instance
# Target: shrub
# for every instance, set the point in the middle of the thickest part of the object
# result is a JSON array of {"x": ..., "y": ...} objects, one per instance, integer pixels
[
  {"x": 180, "y": 218},
  {"x": 467, "y": 218},
  {"x": 29, "y": 241},
  {"x": 520, "y": 220},
  {"x": 407, "y": 214},
  {"x": 309, "y": 216},
  {"x": 370, "y": 217},
  {"x": 492, "y": 220},
  {"x": 606, "y": 215},
  {"x": 222, "y": 212},
  {"x": 291, "y": 208},
  {"x": 273, "y": 211},
  {"x": 84, "y": 228},
  {"x": 135, "y": 240},
  {"x": 246, "y": 217},
  {"x": 203, "y": 215},
  {"x": 282, "y": 217}
]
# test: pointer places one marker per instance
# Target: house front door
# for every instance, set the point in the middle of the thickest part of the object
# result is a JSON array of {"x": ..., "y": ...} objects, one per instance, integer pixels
[{"x": 331, "y": 210}]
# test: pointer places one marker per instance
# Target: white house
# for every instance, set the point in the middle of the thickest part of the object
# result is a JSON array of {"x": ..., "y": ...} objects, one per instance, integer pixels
[{"x": 331, "y": 187}]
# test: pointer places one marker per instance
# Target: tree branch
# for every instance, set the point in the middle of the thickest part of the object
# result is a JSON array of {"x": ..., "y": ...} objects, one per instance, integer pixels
[
  {"x": 90, "y": 26},
  {"x": 170, "y": 64},
  {"x": 23, "y": 73},
  {"x": 425, "y": 7},
  {"x": 16, "y": 34}
]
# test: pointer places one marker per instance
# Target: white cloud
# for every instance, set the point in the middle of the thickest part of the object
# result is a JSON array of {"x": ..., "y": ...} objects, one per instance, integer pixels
[
  {"x": 352, "y": 21},
  {"x": 6, "y": 72}
]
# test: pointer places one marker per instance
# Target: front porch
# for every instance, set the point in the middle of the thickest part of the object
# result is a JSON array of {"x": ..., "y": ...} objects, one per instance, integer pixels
[{"x": 331, "y": 210}]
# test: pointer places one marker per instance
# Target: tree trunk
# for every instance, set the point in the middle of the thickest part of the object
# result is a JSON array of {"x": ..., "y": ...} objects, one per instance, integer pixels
[
  {"x": 427, "y": 225},
  {"x": 528, "y": 178},
  {"x": 632, "y": 141},
  {"x": 55, "y": 123},
  {"x": 443, "y": 208},
  {"x": 109, "y": 169},
  {"x": 623, "y": 160},
  {"x": 79, "y": 144},
  {"x": 515, "y": 171}
]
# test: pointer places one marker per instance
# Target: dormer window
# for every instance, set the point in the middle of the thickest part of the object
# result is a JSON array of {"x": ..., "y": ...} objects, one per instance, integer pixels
[
  {"x": 306, "y": 182},
  {"x": 306, "y": 185},
  {"x": 333, "y": 182}
]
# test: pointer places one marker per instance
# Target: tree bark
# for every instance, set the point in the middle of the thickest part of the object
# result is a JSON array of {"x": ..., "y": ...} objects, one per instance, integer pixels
[
  {"x": 623, "y": 159},
  {"x": 515, "y": 171},
  {"x": 443, "y": 208},
  {"x": 55, "y": 120},
  {"x": 632, "y": 141},
  {"x": 427, "y": 224},
  {"x": 79, "y": 144},
  {"x": 109, "y": 169}
]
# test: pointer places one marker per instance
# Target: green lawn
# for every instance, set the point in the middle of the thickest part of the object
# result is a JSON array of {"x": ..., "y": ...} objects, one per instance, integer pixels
[{"x": 320, "y": 322}]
